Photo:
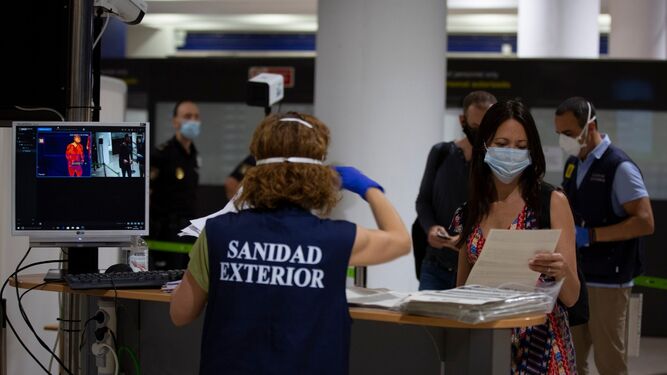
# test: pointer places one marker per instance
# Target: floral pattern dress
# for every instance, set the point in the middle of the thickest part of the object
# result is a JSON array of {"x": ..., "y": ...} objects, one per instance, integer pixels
[{"x": 544, "y": 349}]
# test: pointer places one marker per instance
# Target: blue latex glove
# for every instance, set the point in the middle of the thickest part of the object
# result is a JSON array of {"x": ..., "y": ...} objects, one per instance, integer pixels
[
  {"x": 355, "y": 181},
  {"x": 583, "y": 238}
]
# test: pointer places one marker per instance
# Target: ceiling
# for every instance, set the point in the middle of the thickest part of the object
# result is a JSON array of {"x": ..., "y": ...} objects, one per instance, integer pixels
[{"x": 463, "y": 16}]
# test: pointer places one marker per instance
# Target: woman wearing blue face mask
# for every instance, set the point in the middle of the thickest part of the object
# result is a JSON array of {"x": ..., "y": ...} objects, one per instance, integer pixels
[{"x": 507, "y": 192}]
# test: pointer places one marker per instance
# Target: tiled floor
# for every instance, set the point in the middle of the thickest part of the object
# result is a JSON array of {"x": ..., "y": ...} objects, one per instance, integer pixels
[{"x": 652, "y": 358}]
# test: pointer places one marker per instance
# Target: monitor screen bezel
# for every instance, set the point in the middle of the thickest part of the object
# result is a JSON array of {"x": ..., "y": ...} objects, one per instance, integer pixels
[{"x": 80, "y": 237}]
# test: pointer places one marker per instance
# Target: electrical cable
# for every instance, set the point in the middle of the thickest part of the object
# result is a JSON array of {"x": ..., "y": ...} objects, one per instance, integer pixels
[
  {"x": 95, "y": 317},
  {"x": 55, "y": 345},
  {"x": 83, "y": 333},
  {"x": 99, "y": 36},
  {"x": 115, "y": 357},
  {"x": 115, "y": 293},
  {"x": 6, "y": 317},
  {"x": 133, "y": 356},
  {"x": 435, "y": 344},
  {"x": 113, "y": 337},
  {"x": 62, "y": 118},
  {"x": 25, "y": 316}
]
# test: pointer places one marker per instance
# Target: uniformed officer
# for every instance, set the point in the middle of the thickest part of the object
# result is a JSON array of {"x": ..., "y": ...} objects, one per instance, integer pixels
[
  {"x": 174, "y": 179},
  {"x": 612, "y": 212}
]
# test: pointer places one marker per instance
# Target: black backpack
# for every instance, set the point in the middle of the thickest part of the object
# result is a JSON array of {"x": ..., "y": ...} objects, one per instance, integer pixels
[{"x": 578, "y": 313}]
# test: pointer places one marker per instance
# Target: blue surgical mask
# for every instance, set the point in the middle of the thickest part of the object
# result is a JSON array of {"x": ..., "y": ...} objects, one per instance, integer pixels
[
  {"x": 190, "y": 129},
  {"x": 507, "y": 163}
]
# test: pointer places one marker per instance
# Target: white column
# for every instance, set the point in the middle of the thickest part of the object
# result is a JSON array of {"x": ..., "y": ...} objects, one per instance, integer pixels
[
  {"x": 149, "y": 42},
  {"x": 638, "y": 29},
  {"x": 380, "y": 86},
  {"x": 562, "y": 28}
]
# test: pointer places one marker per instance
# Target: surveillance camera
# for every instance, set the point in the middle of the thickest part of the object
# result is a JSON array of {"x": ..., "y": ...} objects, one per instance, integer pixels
[
  {"x": 265, "y": 89},
  {"x": 128, "y": 11}
]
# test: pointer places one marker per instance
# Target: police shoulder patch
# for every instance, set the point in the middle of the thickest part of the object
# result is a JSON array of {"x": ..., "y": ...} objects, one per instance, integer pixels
[{"x": 568, "y": 170}]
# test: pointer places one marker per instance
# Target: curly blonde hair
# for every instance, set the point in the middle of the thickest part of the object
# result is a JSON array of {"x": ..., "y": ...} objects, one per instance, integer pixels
[{"x": 310, "y": 186}]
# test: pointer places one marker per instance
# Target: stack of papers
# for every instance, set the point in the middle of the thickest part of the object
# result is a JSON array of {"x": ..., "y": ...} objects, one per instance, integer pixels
[
  {"x": 197, "y": 225},
  {"x": 170, "y": 286},
  {"x": 380, "y": 298},
  {"x": 476, "y": 304}
]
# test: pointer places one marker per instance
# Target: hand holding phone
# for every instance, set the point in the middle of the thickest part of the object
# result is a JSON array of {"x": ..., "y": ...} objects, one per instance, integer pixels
[{"x": 443, "y": 234}]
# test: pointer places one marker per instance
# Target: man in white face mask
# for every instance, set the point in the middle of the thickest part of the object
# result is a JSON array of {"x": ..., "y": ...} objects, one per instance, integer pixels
[
  {"x": 173, "y": 181},
  {"x": 612, "y": 211}
]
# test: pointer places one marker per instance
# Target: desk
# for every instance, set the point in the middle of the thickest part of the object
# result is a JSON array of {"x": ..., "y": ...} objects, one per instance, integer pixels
[{"x": 464, "y": 348}]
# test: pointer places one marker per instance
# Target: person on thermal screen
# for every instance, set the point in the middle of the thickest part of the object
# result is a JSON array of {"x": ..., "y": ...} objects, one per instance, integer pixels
[{"x": 74, "y": 155}]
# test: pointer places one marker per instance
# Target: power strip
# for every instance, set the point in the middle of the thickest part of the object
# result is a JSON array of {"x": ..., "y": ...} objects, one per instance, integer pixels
[{"x": 105, "y": 362}]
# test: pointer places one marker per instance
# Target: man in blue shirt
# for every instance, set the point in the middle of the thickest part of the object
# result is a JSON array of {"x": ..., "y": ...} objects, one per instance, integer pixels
[{"x": 612, "y": 211}]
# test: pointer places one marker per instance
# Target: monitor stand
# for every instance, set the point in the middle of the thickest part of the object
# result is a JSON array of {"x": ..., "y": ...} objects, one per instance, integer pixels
[{"x": 82, "y": 260}]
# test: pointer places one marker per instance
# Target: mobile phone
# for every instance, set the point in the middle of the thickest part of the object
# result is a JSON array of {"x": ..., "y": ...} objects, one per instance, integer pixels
[
  {"x": 443, "y": 235},
  {"x": 54, "y": 275}
]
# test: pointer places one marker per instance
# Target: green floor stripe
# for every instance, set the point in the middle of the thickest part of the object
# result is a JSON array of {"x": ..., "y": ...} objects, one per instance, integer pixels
[
  {"x": 651, "y": 282},
  {"x": 174, "y": 247}
]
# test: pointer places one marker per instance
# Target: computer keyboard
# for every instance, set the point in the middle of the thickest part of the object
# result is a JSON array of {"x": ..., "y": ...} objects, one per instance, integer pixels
[{"x": 123, "y": 280}]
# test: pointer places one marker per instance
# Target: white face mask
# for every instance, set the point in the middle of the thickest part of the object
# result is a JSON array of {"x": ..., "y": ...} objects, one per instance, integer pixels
[
  {"x": 507, "y": 163},
  {"x": 572, "y": 146}
]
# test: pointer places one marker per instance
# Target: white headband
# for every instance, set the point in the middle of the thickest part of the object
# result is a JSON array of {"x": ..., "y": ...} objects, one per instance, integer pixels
[
  {"x": 300, "y": 121},
  {"x": 291, "y": 159}
]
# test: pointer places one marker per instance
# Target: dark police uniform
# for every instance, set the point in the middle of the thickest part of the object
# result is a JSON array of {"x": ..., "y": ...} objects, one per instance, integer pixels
[
  {"x": 125, "y": 153},
  {"x": 276, "y": 295},
  {"x": 239, "y": 172},
  {"x": 173, "y": 198}
]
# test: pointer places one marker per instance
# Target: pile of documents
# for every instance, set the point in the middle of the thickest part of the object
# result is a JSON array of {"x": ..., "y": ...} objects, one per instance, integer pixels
[
  {"x": 380, "y": 298},
  {"x": 197, "y": 225},
  {"x": 170, "y": 286},
  {"x": 476, "y": 304},
  {"x": 500, "y": 285}
]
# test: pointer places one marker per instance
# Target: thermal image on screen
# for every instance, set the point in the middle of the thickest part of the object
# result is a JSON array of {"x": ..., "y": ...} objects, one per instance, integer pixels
[
  {"x": 72, "y": 154},
  {"x": 63, "y": 154}
]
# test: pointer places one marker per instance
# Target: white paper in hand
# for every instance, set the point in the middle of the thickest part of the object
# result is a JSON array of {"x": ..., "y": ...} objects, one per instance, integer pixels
[
  {"x": 197, "y": 225},
  {"x": 504, "y": 258}
]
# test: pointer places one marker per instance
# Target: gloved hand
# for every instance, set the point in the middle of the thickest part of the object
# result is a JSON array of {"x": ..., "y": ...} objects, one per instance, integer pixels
[
  {"x": 583, "y": 237},
  {"x": 355, "y": 181}
]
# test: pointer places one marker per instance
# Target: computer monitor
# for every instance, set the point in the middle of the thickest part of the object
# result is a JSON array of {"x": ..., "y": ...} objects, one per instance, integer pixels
[{"x": 80, "y": 183}]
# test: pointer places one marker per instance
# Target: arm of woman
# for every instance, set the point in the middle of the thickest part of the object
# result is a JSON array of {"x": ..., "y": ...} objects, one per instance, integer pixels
[
  {"x": 562, "y": 263},
  {"x": 187, "y": 301},
  {"x": 391, "y": 240},
  {"x": 463, "y": 269}
]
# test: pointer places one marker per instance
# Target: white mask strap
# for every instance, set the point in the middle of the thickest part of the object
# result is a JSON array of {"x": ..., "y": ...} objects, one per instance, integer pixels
[
  {"x": 291, "y": 159},
  {"x": 300, "y": 121},
  {"x": 589, "y": 119},
  {"x": 584, "y": 131}
]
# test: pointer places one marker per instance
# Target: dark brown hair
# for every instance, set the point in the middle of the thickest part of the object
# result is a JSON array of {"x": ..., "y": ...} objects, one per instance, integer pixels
[
  {"x": 482, "y": 189},
  {"x": 478, "y": 98},
  {"x": 310, "y": 186}
]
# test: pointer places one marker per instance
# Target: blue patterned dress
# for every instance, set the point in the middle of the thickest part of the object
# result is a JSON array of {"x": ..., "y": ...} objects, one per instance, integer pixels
[{"x": 543, "y": 349}]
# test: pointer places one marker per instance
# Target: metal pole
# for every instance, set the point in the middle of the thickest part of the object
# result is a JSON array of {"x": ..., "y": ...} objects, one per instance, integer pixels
[
  {"x": 81, "y": 68},
  {"x": 3, "y": 339},
  {"x": 360, "y": 276},
  {"x": 78, "y": 109}
]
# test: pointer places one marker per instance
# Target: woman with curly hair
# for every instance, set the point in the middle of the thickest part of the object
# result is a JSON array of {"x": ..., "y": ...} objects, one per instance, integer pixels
[{"x": 273, "y": 275}]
